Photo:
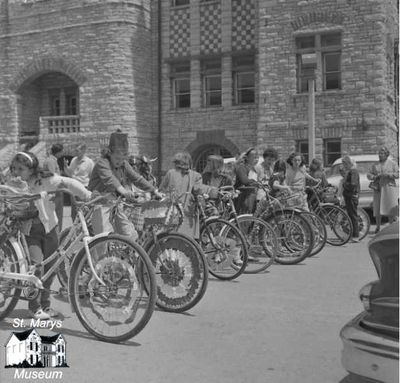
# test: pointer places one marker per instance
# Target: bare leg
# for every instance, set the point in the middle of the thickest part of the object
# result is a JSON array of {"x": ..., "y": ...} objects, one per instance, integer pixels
[{"x": 378, "y": 219}]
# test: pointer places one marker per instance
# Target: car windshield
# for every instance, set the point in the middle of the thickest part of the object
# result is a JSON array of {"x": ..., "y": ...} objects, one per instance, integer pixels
[{"x": 362, "y": 167}]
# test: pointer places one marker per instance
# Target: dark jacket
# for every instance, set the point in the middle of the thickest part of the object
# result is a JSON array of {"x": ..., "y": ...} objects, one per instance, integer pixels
[{"x": 351, "y": 183}]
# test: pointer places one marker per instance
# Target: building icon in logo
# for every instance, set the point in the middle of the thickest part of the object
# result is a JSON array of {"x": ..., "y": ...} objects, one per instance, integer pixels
[{"x": 30, "y": 349}]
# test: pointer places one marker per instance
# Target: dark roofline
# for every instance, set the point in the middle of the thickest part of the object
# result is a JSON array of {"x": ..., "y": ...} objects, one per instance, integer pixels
[{"x": 23, "y": 335}]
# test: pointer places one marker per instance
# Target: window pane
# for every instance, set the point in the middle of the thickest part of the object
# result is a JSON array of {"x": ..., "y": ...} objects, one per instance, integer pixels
[
  {"x": 305, "y": 42},
  {"x": 213, "y": 83},
  {"x": 328, "y": 40},
  {"x": 245, "y": 80},
  {"x": 333, "y": 146},
  {"x": 243, "y": 61},
  {"x": 180, "y": 2},
  {"x": 182, "y": 86},
  {"x": 183, "y": 101},
  {"x": 213, "y": 98},
  {"x": 332, "y": 81},
  {"x": 332, "y": 62},
  {"x": 246, "y": 96}
]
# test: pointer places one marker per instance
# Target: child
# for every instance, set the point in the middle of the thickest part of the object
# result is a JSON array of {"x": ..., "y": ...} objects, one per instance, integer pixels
[
  {"x": 277, "y": 181},
  {"x": 41, "y": 235}
]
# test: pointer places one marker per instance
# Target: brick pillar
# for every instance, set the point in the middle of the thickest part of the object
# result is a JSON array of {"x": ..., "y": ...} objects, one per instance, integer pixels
[
  {"x": 195, "y": 76},
  {"x": 226, "y": 39}
]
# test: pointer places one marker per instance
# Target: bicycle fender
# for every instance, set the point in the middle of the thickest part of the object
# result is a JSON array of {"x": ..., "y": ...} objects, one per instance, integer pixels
[
  {"x": 211, "y": 218},
  {"x": 21, "y": 259},
  {"x": 101, "y": 235}
]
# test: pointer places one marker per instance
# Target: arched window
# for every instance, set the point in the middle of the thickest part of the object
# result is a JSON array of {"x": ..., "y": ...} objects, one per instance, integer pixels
[{"x": 200, "y": 160}]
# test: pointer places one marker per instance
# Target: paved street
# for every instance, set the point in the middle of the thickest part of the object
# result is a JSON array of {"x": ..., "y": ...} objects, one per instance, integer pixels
[{"x": 281, "y": 326}]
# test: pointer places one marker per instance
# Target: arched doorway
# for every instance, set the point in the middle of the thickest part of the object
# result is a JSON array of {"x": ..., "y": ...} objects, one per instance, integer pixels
[
  {"x": 49, "y": 103},
  {"x": 201, "y": 154}
]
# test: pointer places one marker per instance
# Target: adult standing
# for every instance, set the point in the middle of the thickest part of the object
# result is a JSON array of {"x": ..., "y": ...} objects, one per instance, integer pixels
[
  {"x": 296, "y": 177},
  {"x": 246, "y": 179},
  {"x": 386, "y": 193},
  {"x": 113, "y": 174},
  {"x": 51, "y": 165},
  {"x": 80, "y": 169},
  {"x": 184, "y": 181},
  {"x": 351, "y": 190},
  {"x": 213, "y": 174}
]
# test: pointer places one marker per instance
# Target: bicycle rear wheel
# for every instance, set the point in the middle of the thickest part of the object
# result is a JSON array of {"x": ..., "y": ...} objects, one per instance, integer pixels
[
  {"x": 224, "y": 247},
  {"x": 294, "y": 235},
  {"x": 338, "y": 224},
  {"x": 320, "y": 235},
  {"x": 121, "y": 308},
  {"x": 261, "y": 243},
  {"x": 364, "y": 223},
  {"x": 9, "y": 291},
  {"x": 181, "y": 271}
]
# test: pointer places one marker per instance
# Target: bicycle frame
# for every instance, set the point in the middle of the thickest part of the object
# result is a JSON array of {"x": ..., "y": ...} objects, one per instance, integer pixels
[{"x": 83, "y": 239}]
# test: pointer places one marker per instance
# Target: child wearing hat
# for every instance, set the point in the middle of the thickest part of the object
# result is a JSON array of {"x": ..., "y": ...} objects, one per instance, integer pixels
[{"x": 113, "y": 174}]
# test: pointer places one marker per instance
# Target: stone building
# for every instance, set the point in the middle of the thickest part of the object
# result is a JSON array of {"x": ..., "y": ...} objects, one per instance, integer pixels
[{"x": 208, "y": 76}]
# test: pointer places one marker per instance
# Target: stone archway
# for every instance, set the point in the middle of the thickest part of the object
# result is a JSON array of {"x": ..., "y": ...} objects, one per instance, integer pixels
[
  {"x": 47, "y": 94},
  {"x": 38, "y": 67}
]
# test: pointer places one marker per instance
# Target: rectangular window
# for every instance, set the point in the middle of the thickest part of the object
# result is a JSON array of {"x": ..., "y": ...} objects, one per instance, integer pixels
[
  {"x": 302, "y": 148},
  {"x": 326, "y": 50},
  {"x": 71, "y": 105},
  {"x": 332, "y": 150},
  {"x": 180, "y": 84},
  {"x": 243, "y": 80},
  {"x": 177, "y": 3},
  {"x": 212, "y": 83},
  {"x": 55, "y": 106}
]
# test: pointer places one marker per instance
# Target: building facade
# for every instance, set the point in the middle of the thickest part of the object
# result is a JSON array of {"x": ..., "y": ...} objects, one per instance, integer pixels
[{"x": 207, "y": 76}]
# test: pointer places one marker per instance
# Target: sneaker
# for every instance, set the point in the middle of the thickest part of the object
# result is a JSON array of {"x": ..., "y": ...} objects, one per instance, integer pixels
[
  {"x": 51, "y": 312},
  {"x": 40, "y": 314},
  {"x": 238, "y": 262}
]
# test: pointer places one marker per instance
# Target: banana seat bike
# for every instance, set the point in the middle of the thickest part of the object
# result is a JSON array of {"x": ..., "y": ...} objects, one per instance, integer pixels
[{"x": 104, "y": 289}]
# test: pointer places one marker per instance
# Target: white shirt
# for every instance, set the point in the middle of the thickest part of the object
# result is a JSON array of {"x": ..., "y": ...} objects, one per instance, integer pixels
[{"x": 81, "y": 170}]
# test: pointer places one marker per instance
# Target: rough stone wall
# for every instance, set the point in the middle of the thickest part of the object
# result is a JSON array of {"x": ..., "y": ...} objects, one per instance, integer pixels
[
  {"x": 356, "y": 112},
  {"x": 104, "y": 46}
]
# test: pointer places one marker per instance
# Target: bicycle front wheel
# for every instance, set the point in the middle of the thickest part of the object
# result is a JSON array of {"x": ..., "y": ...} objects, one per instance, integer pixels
[
  {"x": 119, "y": 306},
  {"x": 261, "y": 243},
  {"x": 364, "y": 223},
  {"x": 181, "y": 271},
  {"x": 9, "y": 291},
  {"x": 338, "y": 224},
  {"x": 320, "y": 235},
  {"x": 224, "y": 247},
  {"x": 294, "y": 234}
]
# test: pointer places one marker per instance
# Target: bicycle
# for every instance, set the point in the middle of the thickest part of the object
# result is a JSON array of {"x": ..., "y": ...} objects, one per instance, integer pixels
[
  {"x": 293, "y": 231},
  {"x": 179, "y": 262},
  {"x": 260, "y": 236},
  {"x": 330, "y": 194},
  {"x": 108, "y": 297},
  {"x": 337, "y": 222},
  {"x": 222, "y": 242}
]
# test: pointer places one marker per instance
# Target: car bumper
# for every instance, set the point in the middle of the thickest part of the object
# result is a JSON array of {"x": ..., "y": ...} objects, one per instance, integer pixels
[{"x": 369, "y": 354}]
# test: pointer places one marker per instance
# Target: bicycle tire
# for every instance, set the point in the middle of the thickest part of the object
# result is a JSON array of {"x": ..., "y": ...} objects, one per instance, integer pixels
[
  {"x": 181, "y": 271},
  {"x": 9, "y": 295},
  {"x": 63, "y": 272},
  {"x": 320, "y": 234},
  {"x": 294, "y": 235},
  {"x": 337, "y": 222},
  {"x": 117, "y": 261},
  {"x": 261, "y": 243},
  {"x": 229, "y": 243},
  {"x": 364, "y": 223}
]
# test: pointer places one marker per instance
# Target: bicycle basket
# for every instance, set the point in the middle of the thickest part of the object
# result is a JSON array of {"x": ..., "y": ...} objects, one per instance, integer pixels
[
  {"x": 328, "y": 195},
  {"x": 293, "y": 200},
  {"x": 164, "y": 213}
]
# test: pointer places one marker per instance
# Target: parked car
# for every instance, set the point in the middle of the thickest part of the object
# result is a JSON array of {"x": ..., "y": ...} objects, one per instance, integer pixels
[
  {"x": 364, "y": 163},
  {"x": 371, "y": 339}
]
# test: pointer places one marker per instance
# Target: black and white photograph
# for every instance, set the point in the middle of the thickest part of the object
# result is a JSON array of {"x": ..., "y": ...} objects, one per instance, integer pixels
[{"x": 199, "y": 191}]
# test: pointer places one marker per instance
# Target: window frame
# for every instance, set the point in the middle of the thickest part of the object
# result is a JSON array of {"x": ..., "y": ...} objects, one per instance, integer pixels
[
  {"x": 211, "y": 69},
  {"x": 322, "y": 51},
  {"x": 240, "y": 67},
  {"x": 299, "y": 144},
  {"x": 184, "y": 3},
  {"x": 327, "y": 153},
  {"x": 180, "y": 72}
]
